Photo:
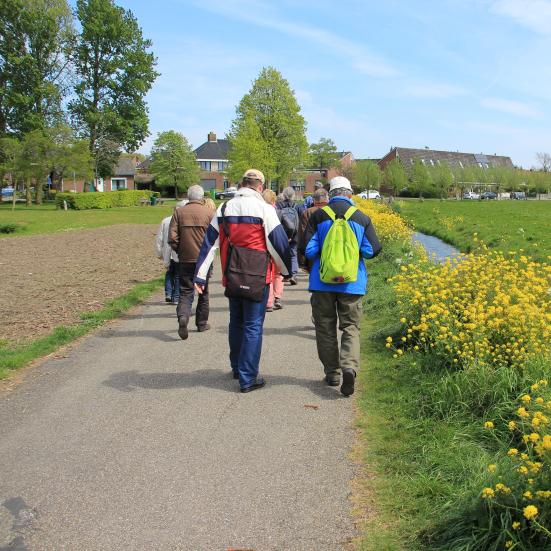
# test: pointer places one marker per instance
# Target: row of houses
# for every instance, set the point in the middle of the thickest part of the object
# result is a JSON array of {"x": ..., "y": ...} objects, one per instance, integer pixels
[{"x": 212, "y": 157}]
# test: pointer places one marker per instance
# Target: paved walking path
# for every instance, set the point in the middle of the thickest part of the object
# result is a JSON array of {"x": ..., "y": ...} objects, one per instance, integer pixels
[{"x": 139, "y": 441}]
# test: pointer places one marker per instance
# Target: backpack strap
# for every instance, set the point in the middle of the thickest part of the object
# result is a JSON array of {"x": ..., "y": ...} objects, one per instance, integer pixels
[
  {"x": 331, "y": 213},
  {"x": 349, "y": 213}
]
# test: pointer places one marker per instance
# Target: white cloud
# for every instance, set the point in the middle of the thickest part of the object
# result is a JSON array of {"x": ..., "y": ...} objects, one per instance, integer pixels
[
  {"x": 534, "y": 14},
  {"x": 511, "y": 107},
  {"x": 262, "y": 15}
]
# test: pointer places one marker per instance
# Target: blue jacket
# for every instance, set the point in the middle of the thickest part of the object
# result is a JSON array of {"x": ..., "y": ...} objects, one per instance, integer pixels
[{"x": 315, "y": 234}]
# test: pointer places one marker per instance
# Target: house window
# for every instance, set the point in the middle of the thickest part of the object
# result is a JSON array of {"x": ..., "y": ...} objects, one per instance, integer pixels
[
  {"x": 205, "y": 165},
  {"x": 118, "y": 184},
  {"x": 222, "y": 165}
]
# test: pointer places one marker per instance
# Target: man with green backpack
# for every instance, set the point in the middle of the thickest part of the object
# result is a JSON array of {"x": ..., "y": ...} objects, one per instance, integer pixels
[{"x": 336, "y": 241}]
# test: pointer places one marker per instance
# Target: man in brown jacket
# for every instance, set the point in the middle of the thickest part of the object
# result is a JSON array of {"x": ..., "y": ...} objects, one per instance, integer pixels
[
  {"x": 321, "y": 198},
  {"x": 185, "y": 235}
]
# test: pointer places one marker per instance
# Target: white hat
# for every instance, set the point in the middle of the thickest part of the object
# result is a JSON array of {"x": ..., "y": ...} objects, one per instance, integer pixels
[{"x": 339, "y": 182}]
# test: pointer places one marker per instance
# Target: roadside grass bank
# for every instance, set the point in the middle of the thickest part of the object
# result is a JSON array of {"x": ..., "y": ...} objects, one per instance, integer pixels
[
  {"x": 14, "y": 357},
  {"x": 455, "y": 403},
  {"x": 509, "y": 225},
  {"x": 47, "y": 219}
]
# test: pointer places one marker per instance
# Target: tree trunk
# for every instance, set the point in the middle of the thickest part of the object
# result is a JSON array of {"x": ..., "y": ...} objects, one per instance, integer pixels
[
  {"x": 28, "y": 195},
  {"x": 38, "y": 192}
]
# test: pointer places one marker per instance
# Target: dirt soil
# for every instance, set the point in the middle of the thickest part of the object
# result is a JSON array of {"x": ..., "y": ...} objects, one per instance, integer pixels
[{"x": 47, "y": 280}]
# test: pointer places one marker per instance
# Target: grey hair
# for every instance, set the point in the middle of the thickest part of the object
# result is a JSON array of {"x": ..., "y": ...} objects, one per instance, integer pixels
[
  {"x": 320, "y": 195},
  {"x": 341, "y": 191},
  {"x": 288, "y": 193},
  {"x": 195, "y": 193}
]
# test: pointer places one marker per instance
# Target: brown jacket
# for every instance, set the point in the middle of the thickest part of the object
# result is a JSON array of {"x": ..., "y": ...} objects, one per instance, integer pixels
[{"x": 187, "y": 229}]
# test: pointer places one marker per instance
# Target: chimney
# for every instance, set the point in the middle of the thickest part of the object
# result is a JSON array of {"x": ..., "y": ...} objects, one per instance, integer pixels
[{"x": 212, "y": 137}]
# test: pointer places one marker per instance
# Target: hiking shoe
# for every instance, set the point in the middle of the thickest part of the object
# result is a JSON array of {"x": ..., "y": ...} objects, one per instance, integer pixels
[
  {"x": 348, "y": 379},
  {"x": 293, "y": 281},
  {"x": 182, "y": 331},
  {"x": 277, "y": 304},
  {"x": 168, "y": 299},
  {"x": 205, "y": 327},
  {"x": 333, "y": 379},
  {"x": 259, "y": 383}
]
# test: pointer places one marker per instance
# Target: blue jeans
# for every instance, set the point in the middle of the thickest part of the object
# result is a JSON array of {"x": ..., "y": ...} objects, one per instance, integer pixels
[
  {"x": 245, "y": 336},
  {"x": 172, "y": 282},
  {"x": 293, "y": 245}
]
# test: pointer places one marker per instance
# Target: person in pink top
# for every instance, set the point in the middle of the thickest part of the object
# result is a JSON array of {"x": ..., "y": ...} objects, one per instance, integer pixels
[{"x": 276, "y": 286}]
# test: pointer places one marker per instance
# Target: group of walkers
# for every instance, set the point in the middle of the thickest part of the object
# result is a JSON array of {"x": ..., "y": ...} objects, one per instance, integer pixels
[{"x": 263, "y": 240}]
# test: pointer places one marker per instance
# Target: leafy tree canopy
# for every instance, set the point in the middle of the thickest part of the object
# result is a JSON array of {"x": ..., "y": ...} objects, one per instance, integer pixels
[{"x": 323, "y": 154}]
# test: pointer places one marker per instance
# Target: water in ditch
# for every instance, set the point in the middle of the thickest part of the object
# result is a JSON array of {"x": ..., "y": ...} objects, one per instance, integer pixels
[{"x": 436, "y": 248}]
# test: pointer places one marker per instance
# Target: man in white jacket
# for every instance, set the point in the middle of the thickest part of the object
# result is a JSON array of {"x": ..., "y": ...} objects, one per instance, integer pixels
[{"x": 170, "y": 259}]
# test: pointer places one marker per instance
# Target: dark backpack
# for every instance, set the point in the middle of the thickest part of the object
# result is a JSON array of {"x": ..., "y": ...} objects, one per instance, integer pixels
[
  {"x": 245, "y": 269},
  {"x": 289, "y": 221}
]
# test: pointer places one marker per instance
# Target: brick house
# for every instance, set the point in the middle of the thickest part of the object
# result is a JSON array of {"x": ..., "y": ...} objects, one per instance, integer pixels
[
  {"x": 306, "y": 182},
  {"x": 123, "y": 178},
  {"x": 212, "y": 157}
]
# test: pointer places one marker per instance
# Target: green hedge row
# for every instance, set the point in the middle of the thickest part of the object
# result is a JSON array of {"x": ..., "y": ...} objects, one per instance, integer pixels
[{"x": 103, "y": 200}]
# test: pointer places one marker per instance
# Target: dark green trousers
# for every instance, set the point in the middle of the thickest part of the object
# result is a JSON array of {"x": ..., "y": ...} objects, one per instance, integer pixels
[{"x": 332, "y": 310}]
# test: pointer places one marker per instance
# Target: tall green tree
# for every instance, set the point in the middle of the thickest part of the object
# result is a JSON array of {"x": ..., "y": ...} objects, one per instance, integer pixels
[
  {"x": 173, "y": 162},
  {"x": 274, "y": 108},
  {"x": 114, "y": 70},
  {"x": 323, "y": 154},
  {"x": 395, "y": 176},
  {"x": 442, "y": 179},
  {"x": 35, "y": 41},
  {"x": 367, "y": 175},
  {"x": 249, "y": 150},
  {"x": 33, "y": 164},
  {"x": 421, "y": 181}
]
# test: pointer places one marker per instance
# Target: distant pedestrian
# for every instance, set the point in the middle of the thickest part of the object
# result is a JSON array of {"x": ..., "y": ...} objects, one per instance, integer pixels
[
  {"x": 337, "y": 239},
  {"x": 289, "y": 220},
  {"x": 170, "y": 259},
  {"x": 209, "y": 203},
  {"x": 276, "y": 285},
  {"x": 248, "y": 232},
  {"x": 186, "y": 232}
]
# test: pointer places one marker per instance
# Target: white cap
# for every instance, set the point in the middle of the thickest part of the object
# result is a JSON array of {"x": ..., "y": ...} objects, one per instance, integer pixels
[{"x": 339, "y": 182}]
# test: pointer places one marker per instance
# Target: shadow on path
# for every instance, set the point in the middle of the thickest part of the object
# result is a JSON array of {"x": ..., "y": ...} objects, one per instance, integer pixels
[{"x": 128, "y": 381}]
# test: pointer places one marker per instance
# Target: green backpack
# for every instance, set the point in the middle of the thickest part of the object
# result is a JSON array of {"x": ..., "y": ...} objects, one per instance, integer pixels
[{"x": 340, "y": 253}]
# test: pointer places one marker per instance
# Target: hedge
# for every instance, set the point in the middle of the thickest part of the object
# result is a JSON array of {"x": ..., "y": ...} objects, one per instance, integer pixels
[{"x": 103, "y": 199}]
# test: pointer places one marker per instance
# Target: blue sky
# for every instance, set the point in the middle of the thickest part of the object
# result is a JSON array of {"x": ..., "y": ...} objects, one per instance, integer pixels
[{"x": 468, "y": 75}]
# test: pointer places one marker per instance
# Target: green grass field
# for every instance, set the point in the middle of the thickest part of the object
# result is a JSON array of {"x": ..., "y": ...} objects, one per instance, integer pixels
[
  {"x": 48, "y": 219},
  {"x": 506, "y": 225}
]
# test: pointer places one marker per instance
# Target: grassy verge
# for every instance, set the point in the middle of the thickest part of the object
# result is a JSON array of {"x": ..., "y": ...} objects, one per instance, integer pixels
[
  {"x": 15, "y": 357},
  {"x": 524, "y": 226},
  {"x": 424, "y": 443},
  {"x": 47, "y": 219}
]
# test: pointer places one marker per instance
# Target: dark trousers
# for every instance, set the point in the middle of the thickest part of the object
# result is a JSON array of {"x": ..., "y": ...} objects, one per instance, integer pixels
[
  {"x": 172, "y": 282},
  {"x": 245, "y": 337},
  {"x": 187, "y": 292}
]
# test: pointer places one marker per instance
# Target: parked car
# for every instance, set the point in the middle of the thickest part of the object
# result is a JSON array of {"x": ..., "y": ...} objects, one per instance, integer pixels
[
  {"x": 7, "y": 191},
  {"x": 227, "y": 193},
  {"x": 371, "y": 194},
  {"x": 471, "y": 195},
  {"x": 489, "y": 195},
  {"x": 518, "y": 195}
]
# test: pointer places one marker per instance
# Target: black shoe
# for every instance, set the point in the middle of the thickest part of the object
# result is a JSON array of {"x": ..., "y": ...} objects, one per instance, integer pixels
[
  {"x": 255, "y": 386},
  {"x": 293, "y": 281},
  {"x": 277, "y": 304},
  {"x": 333, "y": 380},
  {"x": 235, "y": 374},
  {"x": 348, "y": 378},
  {"x": 168, "y": 299},
  {"x": 182, "y": 331},
  {"x": 205, "y": 327}
]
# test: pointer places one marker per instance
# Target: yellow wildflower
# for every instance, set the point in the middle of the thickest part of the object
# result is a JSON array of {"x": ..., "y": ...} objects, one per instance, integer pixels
[{"x": 530, "y": 512}]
